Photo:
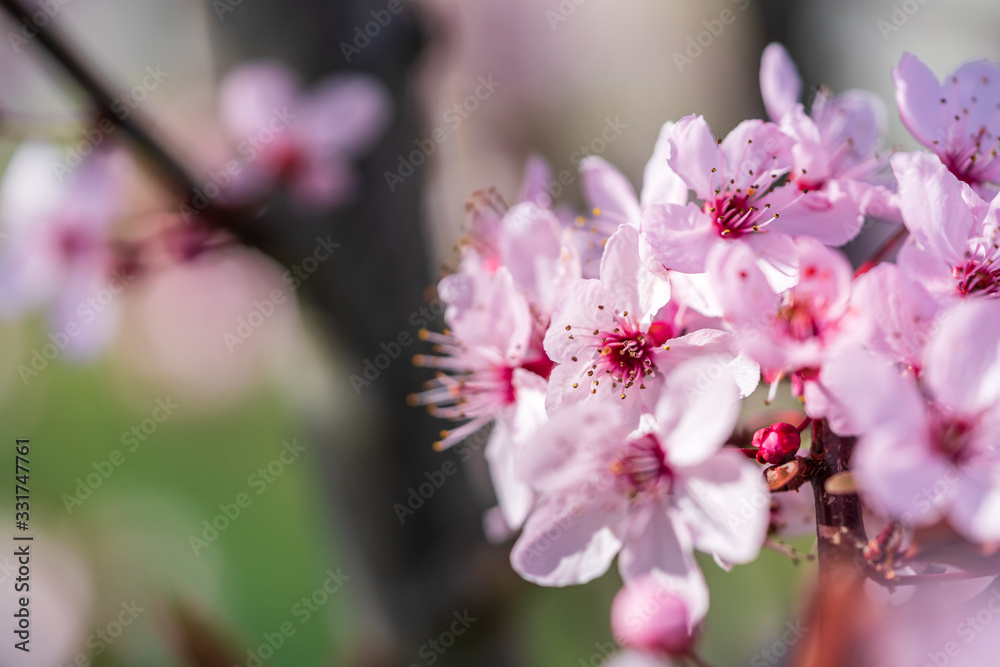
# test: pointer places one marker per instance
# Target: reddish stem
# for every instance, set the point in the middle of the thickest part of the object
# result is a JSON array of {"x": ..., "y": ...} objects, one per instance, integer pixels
[{"x": 883, "y": 251}]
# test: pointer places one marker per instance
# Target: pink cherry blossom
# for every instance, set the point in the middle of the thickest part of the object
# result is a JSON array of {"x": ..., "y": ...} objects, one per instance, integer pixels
[
  {"x": 608, "y": 339},
  {"x": 927, "y": 446},
  {"x": 57, "y": 251},
  {"x": 836, "y": 144},
  {"x": 894, "y": 314},
  {"x": 648, "y": 616},
  {"x": 488, "y": 370},
  {"x": 791, "y": 332},
  {"x": 956, "y": 118},
  {"x": 745, "y": 199},
  {"x": 953, "y": 247},
  {"x": 652, "y": 494},
  {"x": 306, "y": 139},
  {"x": 613, "y": 201},
  {"x": 490, "y": 337}
]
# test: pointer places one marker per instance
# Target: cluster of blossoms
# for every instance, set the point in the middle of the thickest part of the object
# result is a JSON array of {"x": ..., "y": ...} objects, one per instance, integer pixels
[
  {"x": 62, "y": 242},
  {"x": 612, "y": 351}
]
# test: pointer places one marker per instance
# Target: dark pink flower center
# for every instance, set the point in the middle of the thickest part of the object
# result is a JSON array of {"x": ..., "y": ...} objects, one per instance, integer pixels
[
  {"x": 735, "y": 214},
  {"x": 73, "y": 242},
  {"x": 797, "y": 321},
  {"x": 952, "y": 437},
  {"x": 642, "y": 468},
  {"x": 977, "y": 277},
  {"x": 626, "y": 352}
]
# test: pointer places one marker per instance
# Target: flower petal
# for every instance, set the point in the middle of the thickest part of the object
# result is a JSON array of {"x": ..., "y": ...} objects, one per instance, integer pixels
[
  {"x": 780, "y": 83},
  {"x": 660, "y": 185},
  {"x": 726, "y": 506},
  {"x": 569, "y": 541}
]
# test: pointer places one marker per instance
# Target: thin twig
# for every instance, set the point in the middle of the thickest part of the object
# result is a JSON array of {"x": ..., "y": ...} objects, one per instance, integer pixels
[
  {"x": 134, "y": 125},
  {"x": 883, "y": 251}
]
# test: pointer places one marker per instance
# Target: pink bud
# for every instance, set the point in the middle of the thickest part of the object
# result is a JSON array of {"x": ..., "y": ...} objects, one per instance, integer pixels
[
  {"x": 647, "y": 616},
  {"x": 777, "y": 443}
]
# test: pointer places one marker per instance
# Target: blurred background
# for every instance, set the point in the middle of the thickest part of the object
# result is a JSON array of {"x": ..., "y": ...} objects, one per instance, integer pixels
[{"x": 197, "y": 501}]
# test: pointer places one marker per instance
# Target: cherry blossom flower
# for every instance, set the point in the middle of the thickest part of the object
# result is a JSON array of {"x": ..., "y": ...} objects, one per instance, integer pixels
[
  {"x": 608, "y": 341},
  {"x": 746, "y": 199},
  {"x": 953, "y": 250},
  {"x": 791, "y": 332},
  {"x": 529, "y": 241},
  {"x": 956, "y": 118},
  {"x": 648, "y": 616},
  {"x": 894, "y": 313},
  {"x": 927, "y": 447},
  {"x": 836, "y": 143},
  {"x": 305, "y": 139},
  {"x": 652, "y": 494},
  {"x": 57, "y": 251},
  {"x": 613, "y": 201},
  {"x": 488, "y": 370}
]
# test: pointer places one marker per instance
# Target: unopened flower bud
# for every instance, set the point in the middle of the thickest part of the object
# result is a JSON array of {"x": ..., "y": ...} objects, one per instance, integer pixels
[
  {"x": 647, "y": 616},
  {"x": 777, "y": 443}
]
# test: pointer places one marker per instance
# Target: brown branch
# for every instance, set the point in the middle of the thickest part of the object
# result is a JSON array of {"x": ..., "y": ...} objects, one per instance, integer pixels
[{"x": 134, "y": 125}]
